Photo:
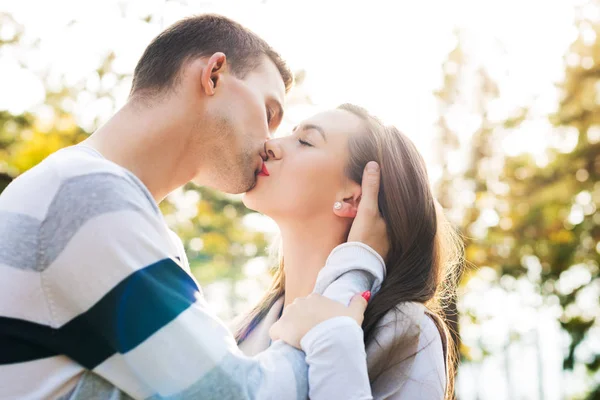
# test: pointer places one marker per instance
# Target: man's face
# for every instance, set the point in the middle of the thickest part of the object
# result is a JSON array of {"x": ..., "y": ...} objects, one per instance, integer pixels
[{"x": 243, "y": 114}]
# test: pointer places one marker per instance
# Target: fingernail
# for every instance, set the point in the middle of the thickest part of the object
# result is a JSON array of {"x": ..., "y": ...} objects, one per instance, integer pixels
[
  {"x": 366, "y": 295},
  {"x": 372, "y": 166}
]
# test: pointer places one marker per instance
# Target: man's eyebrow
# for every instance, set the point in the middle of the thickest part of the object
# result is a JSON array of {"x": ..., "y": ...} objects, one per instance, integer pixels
[{"x": 317, "y": 128}]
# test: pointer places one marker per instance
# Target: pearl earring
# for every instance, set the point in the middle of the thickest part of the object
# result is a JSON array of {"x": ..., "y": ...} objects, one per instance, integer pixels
[{"x": 337, "y": 205}]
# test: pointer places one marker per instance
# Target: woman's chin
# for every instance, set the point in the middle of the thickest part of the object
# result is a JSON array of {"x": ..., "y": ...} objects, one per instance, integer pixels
[
  {"x": 250, "y": 201},
  {"x": 263, "y": 200},
  {"x": 246, "y": 202}
]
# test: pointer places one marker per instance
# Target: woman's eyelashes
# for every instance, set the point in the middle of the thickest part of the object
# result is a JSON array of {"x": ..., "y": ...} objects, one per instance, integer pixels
[
  {"x": 304, "y": 143},
  {"x": 301, "y": 138}
]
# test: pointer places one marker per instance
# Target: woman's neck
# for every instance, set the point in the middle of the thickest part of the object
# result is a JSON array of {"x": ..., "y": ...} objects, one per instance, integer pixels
[{"x": 305, "y": 251}]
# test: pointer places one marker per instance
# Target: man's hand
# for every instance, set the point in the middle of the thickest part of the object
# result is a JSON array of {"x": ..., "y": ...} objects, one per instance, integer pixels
[
  {"x": 368, "y": 226},
  {"x": 306, "y": 312}
]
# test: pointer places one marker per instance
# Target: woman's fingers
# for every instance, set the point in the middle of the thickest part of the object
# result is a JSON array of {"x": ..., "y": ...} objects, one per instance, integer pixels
[
  {"x": 370, "y": 190},
  {"x": 357, "y": 307},
  {"x": 368, "y": 226},
  {"x": 305, "y": 313}
]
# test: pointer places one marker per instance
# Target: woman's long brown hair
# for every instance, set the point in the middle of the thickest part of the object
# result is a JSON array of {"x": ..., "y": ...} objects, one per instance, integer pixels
[{"x": 425, "y": 251}]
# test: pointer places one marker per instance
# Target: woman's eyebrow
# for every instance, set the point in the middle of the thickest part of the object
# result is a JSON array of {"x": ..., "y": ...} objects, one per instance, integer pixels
[{"x": 317, "y": 128}]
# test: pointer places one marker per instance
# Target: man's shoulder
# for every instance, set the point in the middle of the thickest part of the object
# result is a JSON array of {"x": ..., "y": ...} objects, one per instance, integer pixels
[
  {"x": 83, "y": 168},
  {"x": 178, "y": 243},
  {"x": 73, "y": 177}
]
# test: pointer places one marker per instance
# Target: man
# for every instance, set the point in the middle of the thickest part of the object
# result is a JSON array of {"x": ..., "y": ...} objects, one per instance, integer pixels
[{"x": 96, "y": 299}]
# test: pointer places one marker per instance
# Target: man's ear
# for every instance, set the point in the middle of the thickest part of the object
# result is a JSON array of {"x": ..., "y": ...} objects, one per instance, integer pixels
[
  {"x": 212, "y": 73},
  {"x": 346, "y": 205}
]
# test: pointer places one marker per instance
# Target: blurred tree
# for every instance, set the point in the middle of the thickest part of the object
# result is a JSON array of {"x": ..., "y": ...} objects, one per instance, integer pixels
[
  {"x": 446, "y": 140},
  {"x": 546, "y": 223},
  {"x": 447, "y": 144},
  {"x": 216, "y": 240},
  {"x": 28, "y": 138},
  {"x": 568, "y": 196},
  {"x": 466, "y": 133},
  {"x": 5, "y": 179}
]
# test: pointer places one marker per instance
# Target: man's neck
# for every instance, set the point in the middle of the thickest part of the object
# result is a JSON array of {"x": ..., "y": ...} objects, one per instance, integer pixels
[
  {"x": 137, "y": 139},
  {"x": 306, "y": 247}
]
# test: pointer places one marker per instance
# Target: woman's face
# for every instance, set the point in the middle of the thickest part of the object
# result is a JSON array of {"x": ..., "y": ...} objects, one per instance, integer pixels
[{"x": 306, "y": 169}]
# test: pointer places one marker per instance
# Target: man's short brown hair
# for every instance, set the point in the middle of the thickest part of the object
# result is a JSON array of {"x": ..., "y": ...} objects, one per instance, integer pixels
[{"x": 202, "y": 36}]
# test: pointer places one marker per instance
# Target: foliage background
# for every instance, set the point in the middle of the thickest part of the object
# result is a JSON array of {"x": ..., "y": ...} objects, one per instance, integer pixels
[{"x": 502, "y": 97}]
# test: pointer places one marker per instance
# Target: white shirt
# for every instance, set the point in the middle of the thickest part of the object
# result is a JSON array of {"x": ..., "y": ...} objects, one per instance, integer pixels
[{"x": 426, "y": 371}]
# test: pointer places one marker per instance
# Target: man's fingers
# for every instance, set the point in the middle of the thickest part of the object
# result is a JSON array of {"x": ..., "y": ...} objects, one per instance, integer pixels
[{"x": 370, "y": 187}]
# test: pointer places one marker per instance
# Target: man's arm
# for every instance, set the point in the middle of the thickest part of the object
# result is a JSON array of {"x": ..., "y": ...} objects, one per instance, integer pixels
[{"x": 125, "y": 309}]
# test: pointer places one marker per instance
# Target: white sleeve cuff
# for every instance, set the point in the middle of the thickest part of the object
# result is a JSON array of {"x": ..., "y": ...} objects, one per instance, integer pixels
[
  {"x": 362, "y": 269},
  {"x": 326, "y": 331},
  {"x": 357, "y": 250},
  {"x": 337, "y": 362}
]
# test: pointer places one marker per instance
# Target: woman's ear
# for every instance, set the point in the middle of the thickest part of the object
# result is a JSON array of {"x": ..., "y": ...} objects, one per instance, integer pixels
[
  {"x": 212, "y": 72},
  {"x": 347, "y": 206}
]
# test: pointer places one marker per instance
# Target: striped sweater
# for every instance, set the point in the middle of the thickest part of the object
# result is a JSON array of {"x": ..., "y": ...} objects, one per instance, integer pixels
[{"x": 96, "y": 301}]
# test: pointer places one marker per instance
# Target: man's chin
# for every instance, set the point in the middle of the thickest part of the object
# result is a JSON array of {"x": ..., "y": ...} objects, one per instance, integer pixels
[
  {"x": 247, "y": 185},
  {"x": 239, "y": 187},
  {"x": 251, "y": 186},
  {"x": 227, "y": 187},
  {"x": 231, "y": 183}
]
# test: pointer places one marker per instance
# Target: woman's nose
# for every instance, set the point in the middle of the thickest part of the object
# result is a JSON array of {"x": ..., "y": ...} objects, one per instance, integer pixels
[{"x": 273, "y": 149}]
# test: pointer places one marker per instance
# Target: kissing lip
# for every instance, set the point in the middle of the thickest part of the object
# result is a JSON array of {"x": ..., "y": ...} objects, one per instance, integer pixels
[{"x": 264, "y": 171}]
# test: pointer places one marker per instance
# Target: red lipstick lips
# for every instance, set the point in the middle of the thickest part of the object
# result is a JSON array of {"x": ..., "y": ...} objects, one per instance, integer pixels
[{"x": 264, "y": 171}]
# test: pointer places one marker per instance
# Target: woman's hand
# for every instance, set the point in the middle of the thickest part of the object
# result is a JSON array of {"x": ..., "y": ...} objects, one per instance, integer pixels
[
  {"x": 368, "y": 226},
  {"x": 307, "y": 312}
]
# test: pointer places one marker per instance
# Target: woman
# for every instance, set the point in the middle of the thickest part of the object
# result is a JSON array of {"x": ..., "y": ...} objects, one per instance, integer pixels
[{"x": 310, "y": 186}]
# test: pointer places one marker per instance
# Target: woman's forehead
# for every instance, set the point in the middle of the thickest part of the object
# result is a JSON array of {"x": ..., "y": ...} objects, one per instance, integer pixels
[{"x": 336, "y": 122}]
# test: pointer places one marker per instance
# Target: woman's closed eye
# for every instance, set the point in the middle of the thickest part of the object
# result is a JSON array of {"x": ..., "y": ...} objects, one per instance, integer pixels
[{"x": 304, "y": 143}]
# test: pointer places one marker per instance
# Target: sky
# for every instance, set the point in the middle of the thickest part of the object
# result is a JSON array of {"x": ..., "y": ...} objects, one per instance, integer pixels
[{"x": 383, "y": 55}]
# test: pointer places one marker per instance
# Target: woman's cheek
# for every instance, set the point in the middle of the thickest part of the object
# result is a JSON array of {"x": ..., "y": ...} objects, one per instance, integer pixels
[
  {"x": 319, "y": 185},
  {"x": 298, "y": 184}
]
